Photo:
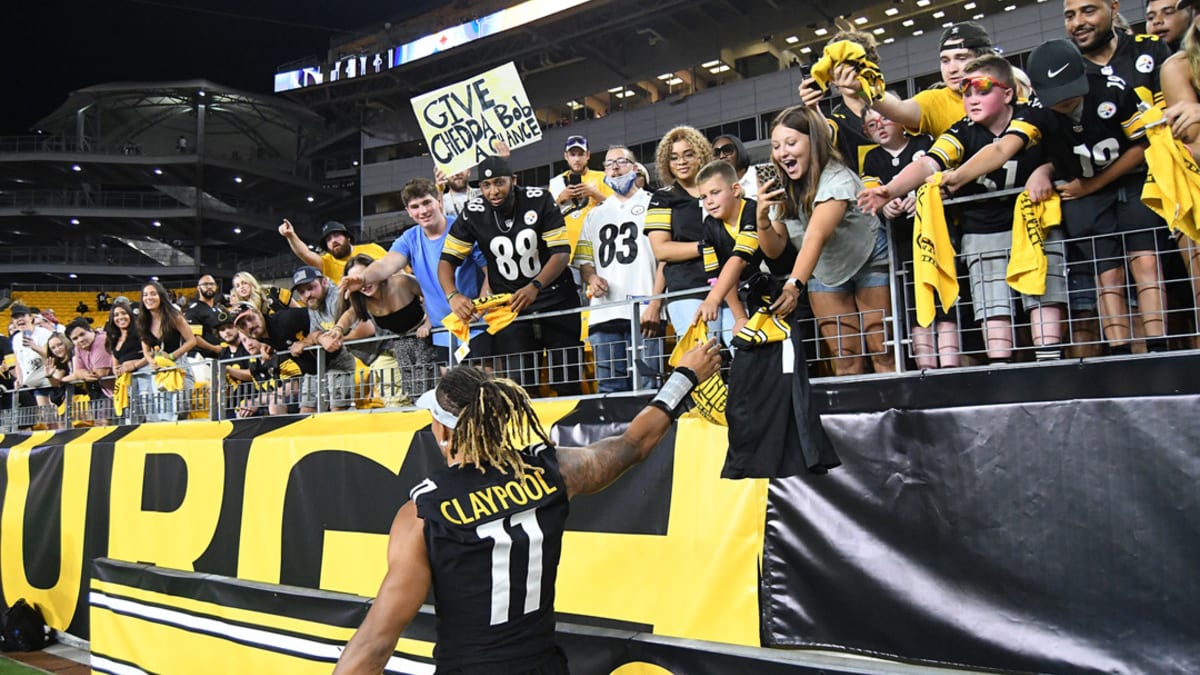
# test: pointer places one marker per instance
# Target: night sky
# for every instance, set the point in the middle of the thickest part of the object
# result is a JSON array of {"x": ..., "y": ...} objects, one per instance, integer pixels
[{"x": 52, "y": 48}]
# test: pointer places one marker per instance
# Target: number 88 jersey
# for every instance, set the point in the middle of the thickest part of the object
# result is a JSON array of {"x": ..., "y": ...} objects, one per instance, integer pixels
[
  {"x": 613, "y": 240},
  {"x": 516, "y": 244}
]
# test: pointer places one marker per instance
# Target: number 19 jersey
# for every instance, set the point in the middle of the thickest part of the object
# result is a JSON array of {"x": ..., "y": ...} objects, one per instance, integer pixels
[
  {"x": 614, "y": 242},
  {"x": 494, "y": 541}
]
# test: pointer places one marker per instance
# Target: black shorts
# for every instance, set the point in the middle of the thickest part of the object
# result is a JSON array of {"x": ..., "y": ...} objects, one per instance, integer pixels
[{"x": 1111, "y": 223}]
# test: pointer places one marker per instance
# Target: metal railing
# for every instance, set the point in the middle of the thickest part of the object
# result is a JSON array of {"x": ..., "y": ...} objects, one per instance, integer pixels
[{"x": 850, "y": 344}]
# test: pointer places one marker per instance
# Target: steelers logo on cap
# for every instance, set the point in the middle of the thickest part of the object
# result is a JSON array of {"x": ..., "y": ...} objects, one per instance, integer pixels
[{"x": 487, "y": 173}]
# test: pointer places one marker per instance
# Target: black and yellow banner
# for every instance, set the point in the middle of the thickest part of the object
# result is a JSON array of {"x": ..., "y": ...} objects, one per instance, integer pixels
[{"x": 308, "y": 501}]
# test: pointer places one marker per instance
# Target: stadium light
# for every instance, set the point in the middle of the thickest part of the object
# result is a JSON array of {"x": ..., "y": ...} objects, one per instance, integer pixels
[
  {"x": 74, "y": 221},
  {"x": 157, "y": 223},
  {"x": 76, "y": 167},
  {"x": 237, "y": 230},
  {"x": 237, "y": 179},
  {"x": 310, "y": 199},
  {"x": 158, "y": 172},
  {"x": 891, "y": 11},
  {"x": 72, "y": 275}
]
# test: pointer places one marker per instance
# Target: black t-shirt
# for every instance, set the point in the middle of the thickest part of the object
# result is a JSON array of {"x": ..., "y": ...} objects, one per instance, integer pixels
[
  {"x": 516, "y": 245},
  {"x": 6, "y": 377},
  {"x": 485, "y": 526},
  {"x": 200, "y": 315},
  {"x": 674, "y": 211},
  {"x": 286, "y": 327},
  {"x": 1111, "y": 124},
  {"x": 1137, "y": 61},
  {"x": 880, "y": 166},
  {"x": 960, "y": 143}
]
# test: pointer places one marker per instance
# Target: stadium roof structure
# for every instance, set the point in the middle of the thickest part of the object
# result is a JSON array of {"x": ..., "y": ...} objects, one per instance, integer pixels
[{"x": 171, "y": 171}]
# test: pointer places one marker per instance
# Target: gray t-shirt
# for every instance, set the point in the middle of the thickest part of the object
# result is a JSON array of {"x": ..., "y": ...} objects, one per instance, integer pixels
[
  {"x": 325, "y": 319},
  {"x": 851, "y": 243}
]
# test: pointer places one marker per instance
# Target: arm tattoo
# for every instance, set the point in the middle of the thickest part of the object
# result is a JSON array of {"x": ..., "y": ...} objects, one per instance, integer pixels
[{"x": 591, "y": 469}]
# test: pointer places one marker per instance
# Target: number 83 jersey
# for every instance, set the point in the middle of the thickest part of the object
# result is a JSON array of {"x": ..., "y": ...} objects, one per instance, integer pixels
[
  {"x": 516, "y": 244},
  {"x": 613, "y": 240}
]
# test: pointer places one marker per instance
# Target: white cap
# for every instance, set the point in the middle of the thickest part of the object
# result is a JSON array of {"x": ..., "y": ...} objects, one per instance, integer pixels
[{"x": 429, "y": 401}]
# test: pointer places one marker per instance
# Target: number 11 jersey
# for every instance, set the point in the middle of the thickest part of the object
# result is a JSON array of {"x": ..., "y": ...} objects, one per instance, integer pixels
[
  {"x": 613, "y": 240},
  {"x": 494, "y": 541}
]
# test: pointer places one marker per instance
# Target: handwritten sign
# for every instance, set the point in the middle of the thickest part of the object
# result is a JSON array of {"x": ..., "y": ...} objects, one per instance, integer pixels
[{"x": 462, "y": 121}]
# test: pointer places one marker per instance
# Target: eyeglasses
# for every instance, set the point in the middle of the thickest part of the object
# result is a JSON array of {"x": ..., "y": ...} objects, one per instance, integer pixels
[
  {"x": 687, "y": 156},
  {"x": 982, "y": 84},
  {"x": 725, "y": 150},
  {"x": 207, "y": 283},
  {"x": 619, "y": 163}
]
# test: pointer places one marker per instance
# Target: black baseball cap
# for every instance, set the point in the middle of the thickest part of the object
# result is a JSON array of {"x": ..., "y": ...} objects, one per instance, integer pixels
[
  {"x": 1056, "y": 72},
  {"x": 964, "y": 35},
  {"x": 493, "y": 167},
  {"x": 19, "y": 309},
  {"x": 331, "y": 227},
  {"x": 239, "y": 309}
]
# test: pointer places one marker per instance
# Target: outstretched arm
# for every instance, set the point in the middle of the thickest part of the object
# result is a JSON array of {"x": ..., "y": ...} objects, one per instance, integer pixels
[
  {"x": 400, "y": 596},
  {"x": 594, "y": 467}
]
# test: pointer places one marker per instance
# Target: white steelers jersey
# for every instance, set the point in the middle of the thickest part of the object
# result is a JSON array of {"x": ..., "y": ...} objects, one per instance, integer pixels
[{"x": 614, "y": 242}]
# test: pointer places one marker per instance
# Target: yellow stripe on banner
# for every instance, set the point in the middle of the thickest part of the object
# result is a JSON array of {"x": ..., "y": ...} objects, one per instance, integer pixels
[
  {"x": 173, "y": 538},
  {"x": 708, "y": 515},
  {"x": 58, "y": 602}
]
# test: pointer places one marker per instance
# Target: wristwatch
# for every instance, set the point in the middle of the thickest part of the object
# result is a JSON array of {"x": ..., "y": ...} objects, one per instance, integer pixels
[
  {"x": 794, "y": 282},
  {"x": 536, "y": 284}
]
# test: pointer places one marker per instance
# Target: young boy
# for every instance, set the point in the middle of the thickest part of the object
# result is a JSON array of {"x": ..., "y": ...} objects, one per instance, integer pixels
[
  {"x": 895, "y": 150},
  {"x": 1090, "y": 125},
  {"x": 731, "y": 230},
  {"x": 989, "y": 94}
]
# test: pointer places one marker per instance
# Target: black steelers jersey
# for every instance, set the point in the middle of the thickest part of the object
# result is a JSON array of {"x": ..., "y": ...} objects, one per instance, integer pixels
[
  {"x": 774, "y": 427},
  {"x": 879, "y": 166},
  {"x": 849, "y": 137},
  {"x": 494, "y": 541},
  {"x": 1137, "y": 61},
  {"x": 741, "y": 240},
  {"x": 959, "y": 144},
  {"x": 674, "y": 211},
  {"x": 1111, "y": 123},
  {"x": 517, "y": 245}
]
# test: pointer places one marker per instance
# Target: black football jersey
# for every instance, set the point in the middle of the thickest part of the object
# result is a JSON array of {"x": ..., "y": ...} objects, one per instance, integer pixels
[
  {"x": 740, "y": 241},
  {"x": 849, "y": 137},
  {"x": 879, "y": 166},
  {"x": 959, "y": 144},
  {"x": 516, "y": 245},
  {"x": 1111, "y": 124},
  {"x": 494, "y": 541},
  {"x": 678, "y": 213},
  {"x": 1137, "y": 61}
]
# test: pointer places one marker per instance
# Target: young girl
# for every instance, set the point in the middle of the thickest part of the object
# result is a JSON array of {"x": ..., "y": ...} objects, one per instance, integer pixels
[
  {"x": 897, "y": 150},
  {"x": 267, "y": 299},
  {"x": 164, "y": 332},
  {"x": 842, "y": 251},
  {"x": 58, "y": 367}
]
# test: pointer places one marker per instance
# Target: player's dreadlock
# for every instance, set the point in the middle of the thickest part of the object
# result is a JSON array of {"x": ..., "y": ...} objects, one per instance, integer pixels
[{"x": 494, "y": 414}]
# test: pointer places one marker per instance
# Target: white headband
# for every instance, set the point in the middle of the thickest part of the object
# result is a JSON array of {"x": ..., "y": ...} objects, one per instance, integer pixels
[{"x": 429, "y": 401}]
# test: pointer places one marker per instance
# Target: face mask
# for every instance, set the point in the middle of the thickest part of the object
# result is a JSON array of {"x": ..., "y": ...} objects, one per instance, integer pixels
[
  {"x": 621, "y": 185},
  {"x": 1077, "y": 113}
]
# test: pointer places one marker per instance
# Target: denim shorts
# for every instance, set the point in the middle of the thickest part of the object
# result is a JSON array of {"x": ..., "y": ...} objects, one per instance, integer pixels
[{"x": 872, "y": 274}]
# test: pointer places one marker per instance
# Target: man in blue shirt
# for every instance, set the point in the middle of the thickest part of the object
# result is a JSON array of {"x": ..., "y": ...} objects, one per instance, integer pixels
[{"x": 421, "y": 248}]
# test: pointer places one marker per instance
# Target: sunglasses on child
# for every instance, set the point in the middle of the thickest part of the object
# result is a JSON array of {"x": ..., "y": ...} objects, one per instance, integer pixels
[{"x": 982, "y": 84}]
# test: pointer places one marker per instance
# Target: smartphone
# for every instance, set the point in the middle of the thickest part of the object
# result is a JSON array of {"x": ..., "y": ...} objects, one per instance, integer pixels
[
  {"x": 574, "y": 178},
  {"x": 766, "y": 173}
]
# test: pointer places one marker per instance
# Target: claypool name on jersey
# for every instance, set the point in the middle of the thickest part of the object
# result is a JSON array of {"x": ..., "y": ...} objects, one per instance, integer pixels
[{"x": 492, "y": 500}]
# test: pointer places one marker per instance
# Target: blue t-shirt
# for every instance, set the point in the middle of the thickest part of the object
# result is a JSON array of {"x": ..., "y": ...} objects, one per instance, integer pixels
[{"x": 423, "y": 256}]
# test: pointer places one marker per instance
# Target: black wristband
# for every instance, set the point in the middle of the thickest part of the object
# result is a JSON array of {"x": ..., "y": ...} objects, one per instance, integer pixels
[{"x": 536, "y": 284}]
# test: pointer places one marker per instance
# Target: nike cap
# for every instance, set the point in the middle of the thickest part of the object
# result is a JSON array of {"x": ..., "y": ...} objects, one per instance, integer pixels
[{"x": 1056, "y": 72}]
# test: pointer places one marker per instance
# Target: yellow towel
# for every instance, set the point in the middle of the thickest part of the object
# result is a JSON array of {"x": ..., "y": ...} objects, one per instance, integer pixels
[
  {"x": 1027, "y": 261},
  {"x": 711, "y": 395},
  {"x": 496, "y": 314},
  {"x": 844, "y": 51},
  {"x": 167, "y": 375},
  {"x": 762, "y": 328},
  {"x": 1172, "y": 188},
  {"x": 121, "y": 392},
  {"x": 933, "y": 254}
]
